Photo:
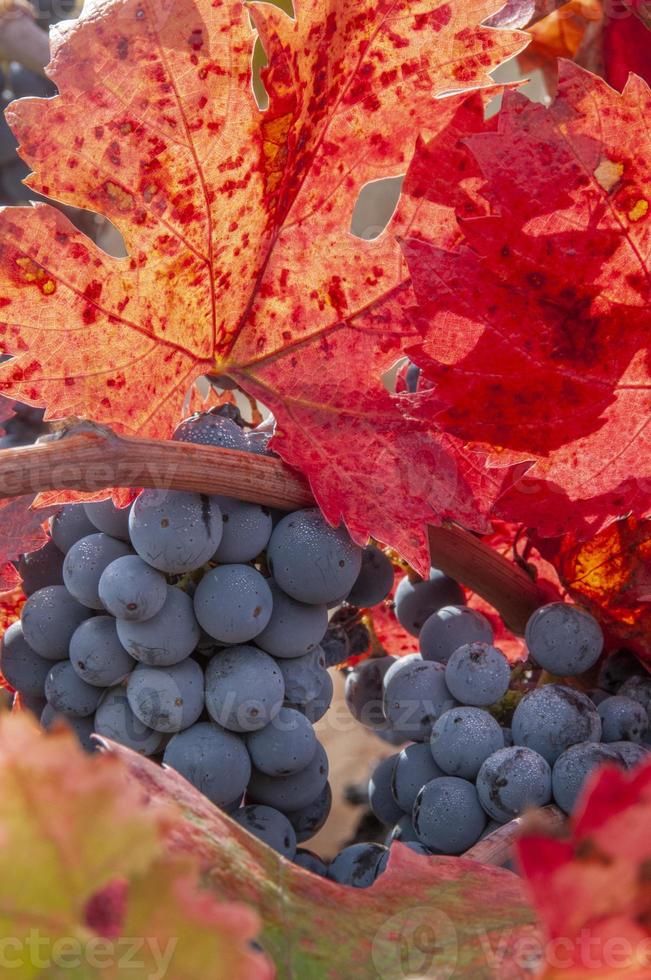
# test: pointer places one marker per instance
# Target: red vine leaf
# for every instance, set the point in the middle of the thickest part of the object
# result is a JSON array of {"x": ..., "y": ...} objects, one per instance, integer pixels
[
  {"x": 627, "y": 43},
  {"x": 541, "y": 315},
  {"x": 591, "y": 885},
  {"x": 84, "y": 857},
  {"x": 237, "y": 228}
]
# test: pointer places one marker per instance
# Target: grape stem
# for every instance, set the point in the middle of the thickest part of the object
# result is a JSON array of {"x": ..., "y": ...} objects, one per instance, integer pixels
[{"x": 88, "y": 457}]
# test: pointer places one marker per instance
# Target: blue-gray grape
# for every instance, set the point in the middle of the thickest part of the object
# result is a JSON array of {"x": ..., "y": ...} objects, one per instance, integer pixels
[
  {"x": 564, "y": 639},
  {"x": 82, "y": 727},
  {"x": 309, "y": 820},
  {"x": 175, "y": 531},
  {"x": 84, "y": 564},
  {"x": 168, "y": 637},
  {"x": 303, "y": 676},
  {"x": 404, "y": 830},
  {"x": 108, "y": 518},
  {"x": 622, "y": 719},
  {"x": 573, "y": 767},
  {"x": 414, "y": 697},
  {"x": 40, "y": 568},
  {"x": 415, "y": 602},
  {"x": 630, "y": 754},
  {"x": 70, "y": 525},
  {"x": 315, "y": 709},
  {"x": 616, "y": 669},
  {"x": 380, "y": 797},
  {"x": 448, "y": 816},
  {"x": 246, "y": 529},
  {"x": 114, "y": 719},
  {"x": 270, "y": 826},
  {"x": 294, "y": 628},
  {"x": 462, "y": 739},
  {"x": 167, "y": 699},
  {"x": 638, "y": 688},
  {"x": 450, "y": 628},
  {"x": 363, "y": 691},
  {"x": 50, "y": 617},
  {"x": 21, "y": 666},
  {"x": 551, "y": 718},
  {"x": 478, "y": 674},
  {"x": 293, "y": 792},
  {"x": 97, "y": 655},
  {"x": 212, "y": 429},
  {"x": 414, "y": 767},
  {"x": 513, "y": 779},
  {"x": 311, "y": 862},
  {"x": 359, "y": 865},
  {"x": 312, "y": 561},
  {"x": 215, "y": 761},
  {"x": 375, "y": 579},
  {"x": 284, "y": 746},
  {"x": 233, "y": 603},
  {"x": 244, "y": 689},
  {"x": 131, "y": 589},
  {"x": 68, "y": 694}
]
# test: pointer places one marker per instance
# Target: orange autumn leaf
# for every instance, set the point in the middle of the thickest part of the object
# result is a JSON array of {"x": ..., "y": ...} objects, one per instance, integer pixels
[
  {"x": 561, "y": 33},
  {"x": 236, "y": 223}
]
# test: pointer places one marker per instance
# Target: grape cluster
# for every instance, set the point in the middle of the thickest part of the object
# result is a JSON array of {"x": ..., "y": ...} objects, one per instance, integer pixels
[
  {"x": 188, "y": 628},
  {"x": 463, "y": 773}
]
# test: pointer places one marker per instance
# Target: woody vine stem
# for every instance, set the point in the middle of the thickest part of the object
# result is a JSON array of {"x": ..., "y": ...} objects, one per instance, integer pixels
[{"x": 88, "y": 457}]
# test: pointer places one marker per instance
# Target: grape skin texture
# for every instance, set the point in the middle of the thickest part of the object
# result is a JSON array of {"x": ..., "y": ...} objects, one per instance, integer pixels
[
  {"x": 293, "y": 792},
  {"x": 359, "y": 865},
  {"x": 168, "y": 637},
  {"x": 246, "y": 529},
  {"x": 414, "y": 697},
  {"x": 213, "y": 760},
  {"x": 309, "y": 820},
  {"x": 21, "y": 666},
  {"x": 70, "y": 525},
  {"x": 375, "y": 579},
  {"x": 312, "y": 561},
  {"x": 573, "y": 767},
  {"x": 167, "y": 699},
  {"x": 108, "y": 518},
  {"x": 415, "y": 602},
  {"x": 114, "y": 719},
  {"x": 563, "y": 639},
  {"x": 404, "y": 831},
  {"x": 511, "y": 780},
  {"x": 315, "y": 710},
  {"x": 629, "y": 753},
  {"x": 82, "y": 727},
  {"x": 284, "y": 746},
  {"x": 294, "y": 628},
  {"x": 380, "y": 797},
  {"x": 210, "y": 429},
  {"x": 270, "y": 826},
  {"x": 448, "y": 816},
  {"x": 84, "y": 564},
  {"x": 638, "y": 688},
  {"x": 622, "y": 719},
  {"x": 244, "y": 689},
  {"x": 311, "y": 862},
  {"x": 40, "y": 568},
  {"x": 462, "y": 739},
  {"x": 68, "y": 694},
  {"x": 336, "y": 645},
  {"x": 413, "y": 768},
  {"x": 303, "y": 676},
  {"x": 233, "y": 603},
  {"x": 50, "y": 617},
  {"x": 551, "y": 718},
  {"x": 363, "y": 691},
  {"x": 450, "y": 628},
  {"x": 131, "y": 589},
  {"x": 97, "y": 655},
  {"x": 174, "y": 531},
  {"x": 478, "y": 674}
]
